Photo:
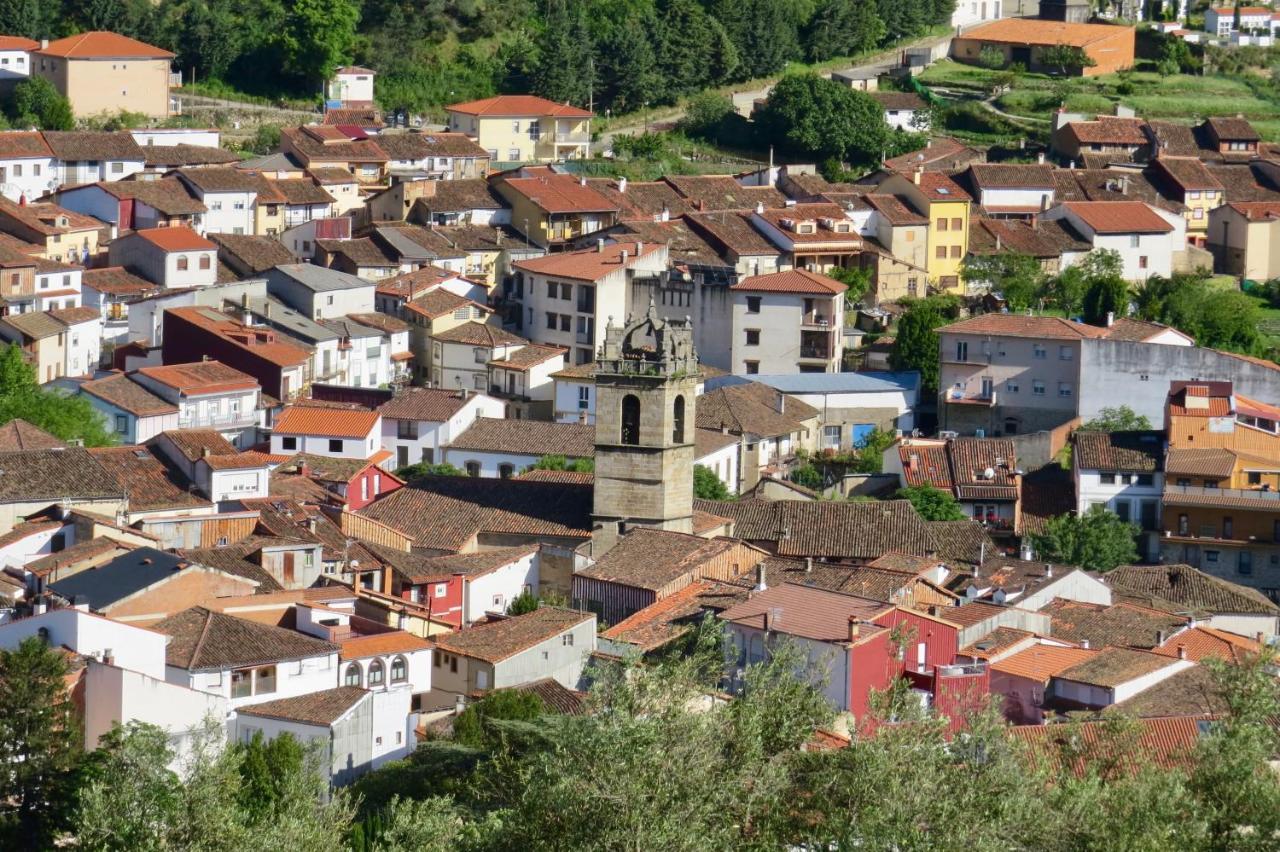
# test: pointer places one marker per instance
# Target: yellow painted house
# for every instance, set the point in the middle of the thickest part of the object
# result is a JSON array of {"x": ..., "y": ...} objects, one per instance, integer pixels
[
  {"x": 947, "y": 207},
  {"x": 524, "y": 128},
  {"x": 1200, "y": 191}
]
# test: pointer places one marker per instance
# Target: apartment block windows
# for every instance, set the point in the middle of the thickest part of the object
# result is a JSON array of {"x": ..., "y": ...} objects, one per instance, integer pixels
[
  {"x": 753, "y": 337},
  {"x": 962, "y": 350},
  {"x": 1037, "y": 388},
  {"x": 753, "y": 304}
]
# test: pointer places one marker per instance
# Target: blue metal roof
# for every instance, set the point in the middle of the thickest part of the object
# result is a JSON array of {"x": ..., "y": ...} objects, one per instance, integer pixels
[{"x": 802, "y": 383}]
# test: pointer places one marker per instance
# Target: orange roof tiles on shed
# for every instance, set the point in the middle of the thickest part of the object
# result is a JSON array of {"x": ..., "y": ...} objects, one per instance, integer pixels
[
  {"x": 103, "y": 45},
  {"x": 1119, "y": 217},
  {"x": 1041, "y": 32},
  {"x": 179, "y": 238},
  {"x": 1042, "y": 662},
  {"x": 792, "y": 281},
  {"x": 343, "y": 422},
  {"x": 519, "y": 105}
]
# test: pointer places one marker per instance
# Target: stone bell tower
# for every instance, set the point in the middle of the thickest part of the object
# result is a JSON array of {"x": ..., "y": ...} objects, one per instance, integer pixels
[{"x": 646, "y": 380}]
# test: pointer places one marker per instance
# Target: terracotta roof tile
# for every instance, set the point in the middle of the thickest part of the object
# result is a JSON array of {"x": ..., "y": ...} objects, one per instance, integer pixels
[
  {"x": 733, "y": 232},
  {"x": 675, "y": 615},
  {"x": 200, "y": 377},
  {"x": 201, "y": 640},
  {"x": 1141, "y": 452},
  {"x": 1041, "y": 662},
  {"x": 427, "y": 404},
  {"x": 1119, "y": 217},
  {"x": 118, "y": 281},
  {"x": 943, "y": 153},
  {"x": 808, "y": 613},
  {"x": 1201, "y": 643},
  {"x": 54, "y": 474},
  {"x": 18, "y": 434},
  {"x": 321, "y": 708},
  {"x": 193, "y": 443},
  {"x": 1193, "y": 589},
  {"x": 653, "y": 559},
  {"x": 589, "y": 264},
  {"x": 561, "y": 194},
  {"x": 792, "y": 281},
  {"x": 1019, "y": 325},
  {"x": 179, "y": 238},
  {"x": 310, "y": 420},
  {"x": 124, "y": 393},
  {"x": 22, "y": 144},
  {"x": 1015, "y": 175},
  {"x": 518, "y": 105},
  {"x": 150, "y": 484},
  {"x": 528, "y": 437},
  {"x": 82, "y": 145},
  {"x": 495, "y": 641},
  {"x": 378, "y": 644},
  {"x": 1113, "y": 667},
  {"x": 474, "y": 333},
  {"x": 103, "y": 45},
  {"x": 1121, "y": 624}
]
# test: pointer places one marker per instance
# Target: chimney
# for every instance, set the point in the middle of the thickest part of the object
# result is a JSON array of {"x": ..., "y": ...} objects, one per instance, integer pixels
[
  {"x": 582, "y": 416},
  {"x": 1111, "y": 318},
  {"x": 665, "y": 216},
  {"x": 459, "y": 702},
  {"x": 761, "y": 581},
  {"x": 1044, "y": 202},
  {"x": 997, "y": 242},
  {"x": 780, "y": 402},
  {"x": 855, "y": 630},
  {"x": 204, "y": 454},
  {"x": 1048, "y": 571},
  {"x": 311, "y": 524},
  {"x": 108, "y": 656},
  {"x": 915, "y": 177},
  {"x": 1160, "y": 637},
  {"x": 1084, "y": 643},
  {"x": 765, "y": 615},
  {"x": 582, "y": 181},
  {"x": 622, "y": 184},
  {"x": 808, "y": 565},
  {"x": 44, "y": 42},
  {"x": 1124, "y": 184},
  {"x": 639, "y": 248},
  {"x": 1040, "y": 158},
  {"x": 1182, "y": 651},
  {"x": 622, "y": 258},
  {"x": 600, "y": 245},
  {"x": 759, "y": 208}
]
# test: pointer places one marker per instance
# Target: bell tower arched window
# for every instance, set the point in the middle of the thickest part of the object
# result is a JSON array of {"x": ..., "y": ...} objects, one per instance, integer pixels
[
  {"x": 630, "y": 432},
  {"x": 677, "y": 421}
]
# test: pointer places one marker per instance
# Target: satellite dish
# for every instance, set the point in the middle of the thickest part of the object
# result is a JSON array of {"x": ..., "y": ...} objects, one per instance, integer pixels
[{"x": 989, "y": 473}]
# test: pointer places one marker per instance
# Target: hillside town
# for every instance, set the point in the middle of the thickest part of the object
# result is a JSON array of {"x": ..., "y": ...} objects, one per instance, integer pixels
[{"x": 344, "y": 442}]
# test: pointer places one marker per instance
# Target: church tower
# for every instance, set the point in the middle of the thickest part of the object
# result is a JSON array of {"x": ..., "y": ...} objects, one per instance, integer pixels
[{"x": 646, "y": 380}]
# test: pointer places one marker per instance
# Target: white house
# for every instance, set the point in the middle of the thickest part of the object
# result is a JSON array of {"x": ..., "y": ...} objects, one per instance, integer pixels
[
  {"x": 111, "y": 289},
  {"x": 1122, "y": 472},
  {"x": 209, "y": 395},
  {"x": 343, "y": 433},
  {"x": 419, "y": 422},
  {"x": 787, "y": 322},
  {"x": 1145, "y": 237},
  {"x": 1220, "y": 20},
  {"x": 904, "y": 111},
  {"x": 243, "y": 661},
  {"x": 351, "y": 86},
  {"x": 523, "y": 379},
  {"x": 367, "y": 350},
  {"x": 31, "y": 540},
  {"x": 26, "y": 163},
  {"x": 970, "y": 12},
  {"x": 229, "y": 194},
  {"x": 200, "y": 137},
  {"x": 132, "y": 411},
  {"x": 1113, "y": 675},
  {"x": 58, "y": 285},
  {"x": 126, "y": 677},
  {"x": 88, "y": 156},
  {"x": 717, "y": 450},
  {"x": 373, "y": 655},
  {"x": 460, "y": 355},
  {"x": 83, "y": 338},
  {"x": 567, "y": 298},
  {"x": 550, "y": 642},
  {"x": 503, "y": 448},
  {"x": 174, "y": 258},
  {"x": 320, "y": 293},
  {"x": 1013, "y": 189}
]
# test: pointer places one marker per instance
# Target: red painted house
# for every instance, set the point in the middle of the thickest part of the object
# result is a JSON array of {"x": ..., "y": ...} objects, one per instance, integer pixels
[{"x": 355, "y": 482}]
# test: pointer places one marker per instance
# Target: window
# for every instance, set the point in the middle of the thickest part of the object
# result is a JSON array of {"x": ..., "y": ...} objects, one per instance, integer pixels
[
  {"x": 453, "y": 664},
  {"x": 122, "y": 424},
  {"x": 942, "y": 223},
  {"x": 1064, "y": 389},
  {"x": 1142, "y": 262},
  {"x": 551, "y": 289},
  {"x": 831, "y": 436},
  {"x": 1145, "y": 479},
  {"x": 1183, "y": 482},
  {"x": 584, "y": 397},
  {"x": 1039, "y": 351},
  {"x": 1134, "y": 240},
  {"x": 677, "y": 421},
  {"x": 955, "y": 251},
  {"x": 183, "y": 264},
  {"x": 473, "y": 468},
  {"x": 205, "y": 262},
  {"x": 1107, "y": 478},
  {"x": 1011, "y": 386},
  {"x": 289, "y": 443},
  {"x": 1211, "y": 556},
  {"x": 1037, "y": 387},
  {"x": 1184, "y": 524},
  {"x": 376, "y": 674},
  {"x": 1065, "y": 353},
  {"x": 335, "y": 445},
  {"x": 399, "y": 670},
  {"x": 630, "y": 425},
  {"x": 506, "y": 471},
  {"x": 264, "y": 680},
  {"x": 956, "y": 224},
  {"x": 364, "y": 488},
  {"x": 117, "y": 168},
  {"x": 753, "y": 304},
  {"x": 551, "y": 321},
  {"x": 566, "y": 322},
  {"x": 441, "y": 589},
  {"x": 407, "y": 429},
  {"x": 566, "y": 292},
  {"x": 241, "y": 684},
  {"x": 353, "y": 675},
  {"x": 1121, "y": 508},
  {"x": 753, "y": 337},
  {"x": 480, "y": 355},
  {"x": 752, "y": 367},
  {"x": 962, "y": 350},
  {"x": 1244, "y": 563},
  {"x": 1228, "y": 527},
  {"x": 567, "y": 640},
  {"x": 940, "y": 252}
]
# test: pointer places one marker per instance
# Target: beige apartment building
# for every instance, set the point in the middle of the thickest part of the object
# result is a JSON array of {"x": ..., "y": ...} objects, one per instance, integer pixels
[
  {"x": 524, "y": 128},
  {"x": 104, "y": 72}
]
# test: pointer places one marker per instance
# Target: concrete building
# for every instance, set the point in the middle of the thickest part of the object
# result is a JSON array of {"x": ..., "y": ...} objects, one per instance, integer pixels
[
  {"x": 173, "y": 258},
  {"x": 130, "y": 410},
  {"x": 26, "y": 163},
  {"x": 523, "y": 128},
  {"x": 209, "y": 395},
  {"x": 503, "y": 448},
  {"x": 104, "y": 73},
  {"x": 344, "y": 433},
  {"x": 852, "y": 405},
  {"x": 1123, "y": 472},
  {"x": 419, "y": 422},
  {"x": 787, "y": 322},
  {"x": 1147, "y": 238},
  {"x": 320, "y": 293},
  {"x": 646, "y": 381},
  {"x": 549, "y": 642},
  {"x": 65, "y": 342},
  {"x": 229, "y": 195}
]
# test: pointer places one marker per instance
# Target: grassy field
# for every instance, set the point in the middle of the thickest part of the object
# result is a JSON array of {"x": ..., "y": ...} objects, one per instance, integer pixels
[{"x": 1178, "y": 97}]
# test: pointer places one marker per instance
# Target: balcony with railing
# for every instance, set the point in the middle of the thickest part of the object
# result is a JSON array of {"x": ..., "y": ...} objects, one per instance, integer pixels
[
  {"x": 817, "y": 319},
  {"x": 818, "y": 345},
  {"x": 234, "y": 420},
  {"x": 985, "y": 396},
  {"x": 571, "y": 138}
]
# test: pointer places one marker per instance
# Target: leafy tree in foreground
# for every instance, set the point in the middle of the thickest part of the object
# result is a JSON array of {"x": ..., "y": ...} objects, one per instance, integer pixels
[
  {"x": 708, "y": 486},
  {"x": 808, "y": 115},
  {"x": 932, "y": 504},
  {"x": 39, "y": 743},
  {"x": 472, "y": 727},
  {"x": 557, "y": 462},
  {"x": 1017, "y": 276},
  {"x": 843, "y": 28},
  {"x": 415, "y": 471},
  {"x": 1066, "y": 57},
  {"x": 915, "y": 346},
  {"x": 1097, "y": 540},
  {"x": 318, "y": 36},
  {"x": 67, "y": 417},
  {"x": 36, "y": 103},
  {"x": 1119, "y": 419}
]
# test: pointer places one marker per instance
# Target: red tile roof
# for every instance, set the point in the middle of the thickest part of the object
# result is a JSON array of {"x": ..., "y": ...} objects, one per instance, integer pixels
[
  {"x": 1042, "y": 662},
  {"x": 808, "y": 613},
  {"x": 1119, "y": 217},
  {"x": 588, "y": 264},
  {"x": 311, "y": 420},
  {"x": 518, "y": 105},
  {"x": 1200, "y": 643},
  {"x": 103, "y": 45},
  {"x": 1018, "y": 325},
  {"x": 180, "y": 238},
  {"x": 792, "y": 281},
  {"x": 1109, "y": 130},
  {"x": 377, "y": 644},
  {"x": 561, "y": 194},
  {"x": 200, "y": 377},
  {"x": 17, "y": 43},
  {"x": 940, "y": 187}
]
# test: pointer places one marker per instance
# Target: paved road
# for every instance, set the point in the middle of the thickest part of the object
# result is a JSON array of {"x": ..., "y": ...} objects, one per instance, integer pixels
[{"x": 744, "y": 101}]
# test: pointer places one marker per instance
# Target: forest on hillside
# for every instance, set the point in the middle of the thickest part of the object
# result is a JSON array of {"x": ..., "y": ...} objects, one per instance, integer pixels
[{"x": 619, "y": 54}]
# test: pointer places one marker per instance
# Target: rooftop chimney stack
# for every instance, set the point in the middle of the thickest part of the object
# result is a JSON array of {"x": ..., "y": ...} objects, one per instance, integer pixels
[
  {"x": 622, "y": 184},
  {"x": 761, "y": 580},
  {"x": 1182, "y": 651},
  {"x": 1040, "y": 158},
  {"x": 855, "y": 630},
  {"x": 1111, "y": 318}
]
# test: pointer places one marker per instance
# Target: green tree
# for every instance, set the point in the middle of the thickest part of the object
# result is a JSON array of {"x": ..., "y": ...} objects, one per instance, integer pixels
[
  {"x": 692, "y": 48},
  {"x": 706, "y": 115},
  {"x": 1017, "y": 276},
  {"x": 857, "y": 282},
  {"x": 915, "y": 345},
  {"x": 1097, "y": 540},
  {"x": 26, "y": 18},
  {"x": 265, "y": 769},
  {"x": 523, "y": 603},
  {"x": 1119, "y": 419},
  {"x": 474, "y": 725},
  {"x": 414, "y": 471},
  {"x": 39, "y": 743},
  {"x": 628, "y": 69},
  {"x": 842, "y": 28},
  {"x": 806, "y": 114},
  {"x": 66, "y": 417},
  {"x": 808, "y": 475},
  {"x": 1217, "y": 318},
  {"x": 317, "y": 36},
  {"x": 992, "y": 58},
  {"x": 870, "y": 450},
  {"x": 36, "y": 103},
  {"x": 1066, "y": 57},
  {"x": 564, "y": 69},
  {"x": 429, "y": 825},
  {"x": 932, "y": 504},
  {"x": 765, "y": 35},
  {"x": 1104, "y": 298},
  {"x": 708, "y": 486},
  {"x": 557, "y": 462}
]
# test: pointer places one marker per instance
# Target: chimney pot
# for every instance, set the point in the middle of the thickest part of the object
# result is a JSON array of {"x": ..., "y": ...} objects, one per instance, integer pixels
[
  {"x": 916, "y": 176},
  {"x": 808, "y": 565},
  {"x": 1111, "y": 318},
  {"x": 622, "y": 184},
  {"x": 1084, "y": 643},
  {"x": 1182, "y": 651},
  {"x": 1040, "y": 158},
  {"x": 761, "y": 580},
  {"x": 855, "y": 630}
]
